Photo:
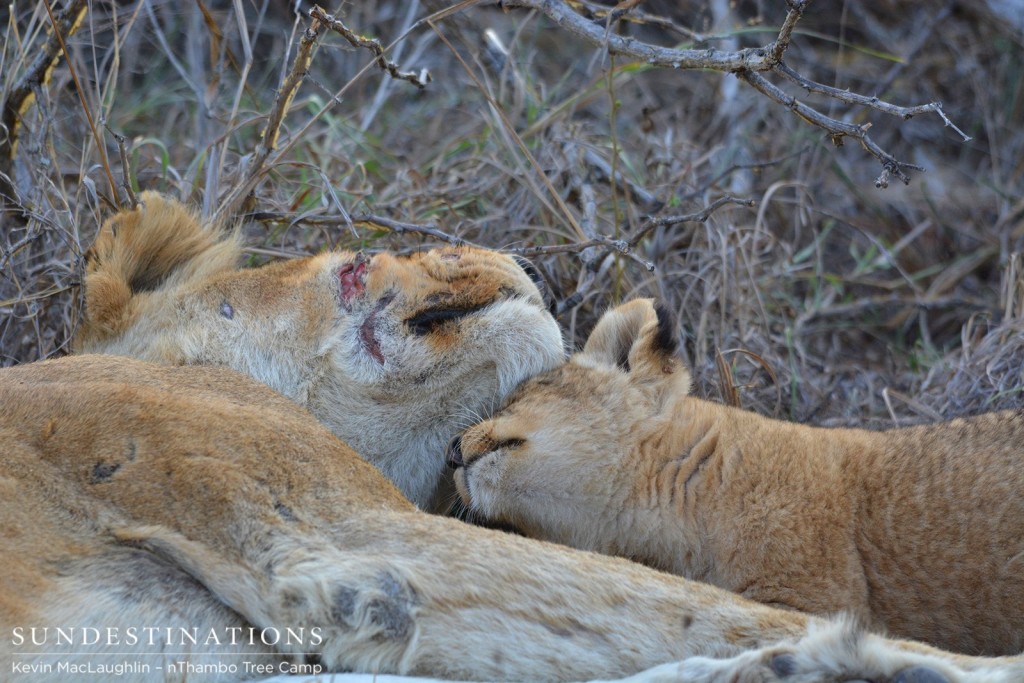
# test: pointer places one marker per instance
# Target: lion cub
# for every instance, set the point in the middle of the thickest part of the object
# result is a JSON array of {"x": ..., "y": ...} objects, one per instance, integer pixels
[{"x": 917, "y": 531}]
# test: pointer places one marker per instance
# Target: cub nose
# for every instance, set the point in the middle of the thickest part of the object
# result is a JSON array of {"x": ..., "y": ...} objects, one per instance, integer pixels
[{"x": 453, "y": 456}]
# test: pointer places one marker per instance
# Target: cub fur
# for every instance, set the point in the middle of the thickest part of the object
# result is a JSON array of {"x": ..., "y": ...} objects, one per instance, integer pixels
[
  {"x": 151, "y": 504},
  {"x": 391, "y": 353},
  {"x": 918, "y": 531}
]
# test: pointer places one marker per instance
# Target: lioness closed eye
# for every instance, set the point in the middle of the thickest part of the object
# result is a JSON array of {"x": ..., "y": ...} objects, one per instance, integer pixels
[
  {"x": 390, "y": 353},
  {"x": 917, "y": 531}
]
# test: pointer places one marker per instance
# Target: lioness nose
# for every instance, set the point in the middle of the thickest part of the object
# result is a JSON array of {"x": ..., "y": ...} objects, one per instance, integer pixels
[{"x": 453, "y": 456}]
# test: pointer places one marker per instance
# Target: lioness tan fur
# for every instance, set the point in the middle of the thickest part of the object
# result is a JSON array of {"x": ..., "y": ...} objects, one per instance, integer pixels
[
  {"x": 918, "y": 531},
  {"x": 392, "y": 354},
  {"x": 196, "y": 512},
  {"x": 194, "y": 500}
]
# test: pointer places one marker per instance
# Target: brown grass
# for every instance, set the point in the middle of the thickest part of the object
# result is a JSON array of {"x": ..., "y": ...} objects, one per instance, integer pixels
[{"x": 828, "y": 301}]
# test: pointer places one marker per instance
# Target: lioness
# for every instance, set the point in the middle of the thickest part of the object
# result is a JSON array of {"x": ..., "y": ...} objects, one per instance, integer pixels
[
  {"x": 392, "y": 354},
  {"x": 194, "y": 512},
  {"x": 917, "y": 531}
]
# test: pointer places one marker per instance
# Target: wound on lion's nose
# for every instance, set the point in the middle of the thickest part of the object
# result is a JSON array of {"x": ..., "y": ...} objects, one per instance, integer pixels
[
  {"x": 453, "y": 456},
  {"x": 352, "y": 277}
]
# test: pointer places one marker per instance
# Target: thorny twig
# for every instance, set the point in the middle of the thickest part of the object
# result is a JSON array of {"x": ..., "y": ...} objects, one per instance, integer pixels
[
  {"x": 650, "y": 222},
  {"x": 749, "y": 64},
  {"x": 233, "y": 203},
  {"x": 635, "y": 15},
  {"x": 373, "y": 45},
  {"x": 365, "y": 219},
  {"x": 126, "y": 169},
  {"x": 238, "y": 197},
  {"x": 778, "y": 47},
  {"x": 838, "y": 130},
  {"x": 625, "y": 246}
]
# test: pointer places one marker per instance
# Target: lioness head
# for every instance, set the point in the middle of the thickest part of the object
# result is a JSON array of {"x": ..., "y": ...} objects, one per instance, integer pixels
[
  {"x": 391, "y": 353},
  {"x": 555, "y": 453}
]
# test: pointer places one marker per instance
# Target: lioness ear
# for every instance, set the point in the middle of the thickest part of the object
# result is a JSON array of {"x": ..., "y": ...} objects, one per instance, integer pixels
[
  {"x": 639, "y": 337},
  {"x": 157, "y": 245}
]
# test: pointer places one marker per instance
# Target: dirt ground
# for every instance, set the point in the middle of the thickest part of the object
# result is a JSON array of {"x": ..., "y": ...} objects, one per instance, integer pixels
[{"x": 825, "y": 300}]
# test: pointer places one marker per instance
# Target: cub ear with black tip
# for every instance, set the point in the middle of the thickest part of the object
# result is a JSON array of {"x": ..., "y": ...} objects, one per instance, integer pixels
[{"x": 640, "y": 338}]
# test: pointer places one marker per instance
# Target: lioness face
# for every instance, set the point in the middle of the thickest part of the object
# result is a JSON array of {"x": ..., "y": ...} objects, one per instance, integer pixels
[
  {"x": 391, "y": 353},
  {"x": 552, "y": 455}
]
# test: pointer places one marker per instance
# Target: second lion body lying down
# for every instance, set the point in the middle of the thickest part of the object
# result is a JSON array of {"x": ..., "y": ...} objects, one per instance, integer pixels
[{"x": 916, "y": 531}]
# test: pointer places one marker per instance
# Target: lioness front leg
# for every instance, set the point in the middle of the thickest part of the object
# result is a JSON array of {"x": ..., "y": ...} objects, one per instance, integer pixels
[
  {"x": 412, "y": 594},
  {"x": 403, "y": 592}
]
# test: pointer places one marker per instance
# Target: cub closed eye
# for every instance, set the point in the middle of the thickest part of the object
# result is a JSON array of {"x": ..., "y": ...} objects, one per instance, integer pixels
[
  {"x": 454, "y": 457},
  {"x": 430, "y": 320}
]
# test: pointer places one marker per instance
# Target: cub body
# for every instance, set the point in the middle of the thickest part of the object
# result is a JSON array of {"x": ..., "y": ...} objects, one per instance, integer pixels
[
  {"x": 391, "y": 353},
  {"x": 916, "y": 531}
]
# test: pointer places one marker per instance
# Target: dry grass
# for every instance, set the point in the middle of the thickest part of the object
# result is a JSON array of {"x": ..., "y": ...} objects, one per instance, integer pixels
[{"x": 828, "y": 301}]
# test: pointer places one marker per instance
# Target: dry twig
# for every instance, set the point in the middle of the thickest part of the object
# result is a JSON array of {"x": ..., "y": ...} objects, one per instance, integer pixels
[
  {"x": 235, "y": 200},
  {"x": 749, "y": 64},
  {"x": 373, "y": 45},
  {"x": 370, "y": 220},
  {"x": 258, "y": 163},
  {"x": 650, "y": 222},
  {"x": 20, "y": 97},
  {"x": 126, "y": 169}
]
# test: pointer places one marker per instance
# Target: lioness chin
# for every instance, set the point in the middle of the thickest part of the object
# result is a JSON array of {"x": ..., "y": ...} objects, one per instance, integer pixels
[
  {"x": 391, "y": 353},
  {"x": 918, "y": 532}
]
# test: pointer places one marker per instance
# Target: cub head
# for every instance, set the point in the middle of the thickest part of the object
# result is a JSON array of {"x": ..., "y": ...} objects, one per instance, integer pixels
[
  {"x": 551, "y": 462},
  {"x": 391, "y": 353}
]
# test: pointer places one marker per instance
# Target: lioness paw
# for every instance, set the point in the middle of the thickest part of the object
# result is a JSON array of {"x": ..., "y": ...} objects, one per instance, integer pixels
[
  {"x": 838, "y": 652},
  {"x": 778, "y": 669}
]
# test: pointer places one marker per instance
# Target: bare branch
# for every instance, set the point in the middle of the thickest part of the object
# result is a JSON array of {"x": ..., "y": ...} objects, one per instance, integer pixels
[
  {"x": 749, "y": 64},
  {"x": 752, "y": 59},
  {"x": 373, "y": 221},
  {"x": 255, "y": 171},
  {"x": 233, "y": 203},
  {"x": 776, "y": 49},
  {"x": 400, "y": 228},
  {"x": 625, "y": 247},
  {"x": 373, "y": 45},
  {"x": 755, "y": 166},
  {"x": 637, "y": 16},
  {"x": 837, "y": 129},
  {"x": 650, "y": 223},
  {"x": 608, "y": 243},
  {"x": 865, "y": 101}
]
